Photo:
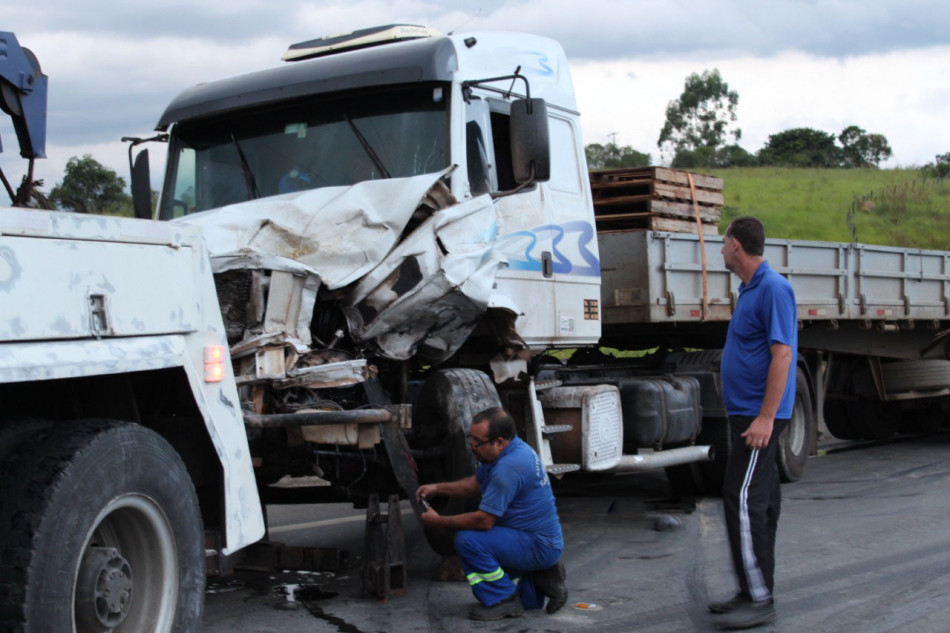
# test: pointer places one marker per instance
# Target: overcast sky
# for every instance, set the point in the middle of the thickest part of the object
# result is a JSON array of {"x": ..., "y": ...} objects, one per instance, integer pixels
[{"x": 883, "y": 65}]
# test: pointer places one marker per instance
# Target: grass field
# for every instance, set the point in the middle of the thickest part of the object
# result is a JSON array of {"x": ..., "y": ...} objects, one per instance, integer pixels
[{"x": 899, "y": 207}]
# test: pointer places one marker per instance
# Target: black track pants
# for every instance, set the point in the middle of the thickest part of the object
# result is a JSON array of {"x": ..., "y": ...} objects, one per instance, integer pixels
[{"x": 752, "y": 502}]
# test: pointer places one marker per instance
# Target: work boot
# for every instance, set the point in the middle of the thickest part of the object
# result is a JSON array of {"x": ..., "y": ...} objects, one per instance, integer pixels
[
  {"x": 508, "y": 608},
  {"x": 550, "y": 583},
  {"x": 730, "y": 605},
  {"x": 747, "y": 616}
]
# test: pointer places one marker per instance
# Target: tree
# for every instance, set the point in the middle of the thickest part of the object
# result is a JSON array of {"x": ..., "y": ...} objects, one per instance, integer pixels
[
  {"x": 728, "y": 156},
  {"x": 703, "y": 116},
  {"x": 90, "y": 187},
  {"x": 862, "y": 149},
  {"x": 801, "y": 147},
  {"x": 610, "y": 156}
]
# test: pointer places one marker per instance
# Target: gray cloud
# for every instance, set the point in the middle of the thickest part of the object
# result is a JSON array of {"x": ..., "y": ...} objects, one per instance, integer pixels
[{"x": 112, "y": 69}]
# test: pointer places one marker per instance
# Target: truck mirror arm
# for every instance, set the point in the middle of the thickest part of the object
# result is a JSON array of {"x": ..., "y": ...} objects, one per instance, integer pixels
[{"x": 468, "y": 85}]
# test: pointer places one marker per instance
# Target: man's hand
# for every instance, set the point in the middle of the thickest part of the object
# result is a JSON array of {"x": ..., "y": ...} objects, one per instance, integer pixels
[
  {"x": 426, "y": 491},
  {"x": 759, "y": 432},
  {"x": 429, "y": 516}
]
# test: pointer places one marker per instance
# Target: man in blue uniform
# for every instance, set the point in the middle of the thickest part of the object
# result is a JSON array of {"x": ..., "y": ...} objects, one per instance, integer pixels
[
  {"x": 758, "y": 389},
  {"x": 511, "y": 545}
]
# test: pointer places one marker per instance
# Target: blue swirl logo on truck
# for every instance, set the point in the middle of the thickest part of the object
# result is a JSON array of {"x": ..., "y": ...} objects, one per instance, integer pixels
[{"x": 569, "y": 248}]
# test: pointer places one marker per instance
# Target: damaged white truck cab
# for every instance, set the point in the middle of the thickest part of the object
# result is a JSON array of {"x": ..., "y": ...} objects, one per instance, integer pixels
[{"x": 397, "y": 218}]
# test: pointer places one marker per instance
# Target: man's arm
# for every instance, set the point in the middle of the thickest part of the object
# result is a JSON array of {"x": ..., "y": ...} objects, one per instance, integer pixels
[
  {"x": 759, "y": 432},
  {"x": 467, "y": 487},
  {"x": 478, "y": 520}
]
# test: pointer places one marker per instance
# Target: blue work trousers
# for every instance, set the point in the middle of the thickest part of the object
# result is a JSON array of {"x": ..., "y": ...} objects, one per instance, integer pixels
[{"x": 495, "y": 559}]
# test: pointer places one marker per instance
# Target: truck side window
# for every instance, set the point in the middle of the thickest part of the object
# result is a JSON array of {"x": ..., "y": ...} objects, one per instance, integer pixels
[
  {"x": 479, "y": 178},
  {"x": 565, "y": 171},
  {"x": 501, "y": 137}
]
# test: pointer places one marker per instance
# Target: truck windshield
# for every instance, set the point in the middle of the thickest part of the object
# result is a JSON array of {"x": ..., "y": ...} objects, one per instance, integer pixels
[{"x": 320, "y": 142}]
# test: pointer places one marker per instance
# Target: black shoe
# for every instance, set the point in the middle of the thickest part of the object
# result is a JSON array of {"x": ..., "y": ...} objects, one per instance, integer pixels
[
  {"x": 748, "y": 616},
  {"x": 550, "y": 583},
  {"x": 730, "y": 605},
  {"x": 507, "y": 608}
]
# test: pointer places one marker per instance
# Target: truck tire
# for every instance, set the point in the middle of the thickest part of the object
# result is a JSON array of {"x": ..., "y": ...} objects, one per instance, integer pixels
[
  {"x": 929, "y": 374},
  {"x": 15, "y": 433},
  {"x": 99, "y": 531},
  {"x": 794, "y": 444},
  {"x": 449, "y": 400}
]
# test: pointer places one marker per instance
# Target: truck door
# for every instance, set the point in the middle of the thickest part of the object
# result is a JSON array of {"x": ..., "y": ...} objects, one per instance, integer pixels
[{"x": 526, "y": 283}]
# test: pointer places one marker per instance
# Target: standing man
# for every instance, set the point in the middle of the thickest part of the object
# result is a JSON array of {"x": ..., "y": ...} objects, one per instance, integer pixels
[
  {"x": 758, "y": 389},
  {"x": 514, "y": 532}
]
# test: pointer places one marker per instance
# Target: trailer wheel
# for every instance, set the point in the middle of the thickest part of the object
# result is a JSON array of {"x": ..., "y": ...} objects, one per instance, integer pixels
[
  {"x": 99, "y": 531},
  {"x": 929, "y": 374},
  {"x": 449, "y": 400},
  {"x": 794, "y": 444}
]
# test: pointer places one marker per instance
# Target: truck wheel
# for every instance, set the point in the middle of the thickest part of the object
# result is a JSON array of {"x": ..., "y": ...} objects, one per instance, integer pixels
[
  {"x": 794, "y": 444},
  {"x": 99, "y": 531},
  {"x": 16, "y": 432},
  {"x": 449, "y": 400},
  {"x": 930, "y": 374}
]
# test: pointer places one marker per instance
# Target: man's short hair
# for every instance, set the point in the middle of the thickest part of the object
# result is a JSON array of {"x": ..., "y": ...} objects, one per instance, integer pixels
[
  {"x": 749, "y": 232},
  {"x": 500, "y": 423}
]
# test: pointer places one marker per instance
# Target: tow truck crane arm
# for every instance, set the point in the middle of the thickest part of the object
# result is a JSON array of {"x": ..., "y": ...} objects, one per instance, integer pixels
[{"x": 23, "y": 92}]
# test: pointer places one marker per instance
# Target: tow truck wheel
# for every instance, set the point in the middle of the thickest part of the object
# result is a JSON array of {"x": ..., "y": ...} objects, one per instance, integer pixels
[
  {"x": 794, "y": 444},
  {"x": 99, "y": 531},
  {"x": 449, "y": 400}
]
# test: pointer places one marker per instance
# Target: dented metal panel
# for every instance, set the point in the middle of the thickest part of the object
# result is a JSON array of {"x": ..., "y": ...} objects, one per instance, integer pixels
[
  {"x": 417, "y": 290},
  {"x": 430, "y": 292},
  {"x": 336, "y": 233}
]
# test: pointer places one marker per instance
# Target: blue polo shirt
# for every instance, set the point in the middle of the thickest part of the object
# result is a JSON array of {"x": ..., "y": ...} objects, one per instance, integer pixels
[
  {"x": 516, "y": 489},
  {"x": 765, "y": 314}
]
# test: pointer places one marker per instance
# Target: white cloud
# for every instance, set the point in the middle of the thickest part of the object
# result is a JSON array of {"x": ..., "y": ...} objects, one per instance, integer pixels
[{"x": 902, "y": 95}]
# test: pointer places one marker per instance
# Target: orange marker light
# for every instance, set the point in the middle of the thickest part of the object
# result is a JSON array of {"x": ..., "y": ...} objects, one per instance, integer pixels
[{"x": 215, "y": 357}]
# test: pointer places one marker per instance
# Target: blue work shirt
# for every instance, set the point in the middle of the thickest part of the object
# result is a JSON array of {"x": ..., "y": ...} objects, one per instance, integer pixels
[
  {"x": 765, "y": 315},
  {"x": 516, "y": 489}
]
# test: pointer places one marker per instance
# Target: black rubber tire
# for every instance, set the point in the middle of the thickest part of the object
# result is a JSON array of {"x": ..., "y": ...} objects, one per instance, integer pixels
[
  {"x": 84, "y": 488},
  {"x": 14, "y": 433},
  {"x": 795, "y": 442},
  {"x": 449, "y": 400},
  {"x": 930, "y": 374}
]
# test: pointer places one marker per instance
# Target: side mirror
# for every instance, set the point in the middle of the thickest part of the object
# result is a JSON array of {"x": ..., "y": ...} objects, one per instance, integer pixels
[
  {"x": 141, "y": 187},
  {"x": 530, "y": 144}
]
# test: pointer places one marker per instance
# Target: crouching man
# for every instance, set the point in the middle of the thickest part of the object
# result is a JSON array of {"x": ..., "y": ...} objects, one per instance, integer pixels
[{"x": 510, "y": 547}]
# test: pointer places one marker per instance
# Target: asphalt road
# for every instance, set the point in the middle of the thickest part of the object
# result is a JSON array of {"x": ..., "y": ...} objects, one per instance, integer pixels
[{"x": 863, "y": 546}]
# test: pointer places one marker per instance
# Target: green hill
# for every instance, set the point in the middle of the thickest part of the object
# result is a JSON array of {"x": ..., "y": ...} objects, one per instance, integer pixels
[{"x": 898, "y": 207}]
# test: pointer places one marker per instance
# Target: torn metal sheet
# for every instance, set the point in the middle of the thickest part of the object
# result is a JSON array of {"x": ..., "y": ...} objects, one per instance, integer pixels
[
  {"x": 430, "y": 292},
  {"x": 340, "y": 374},
  {"x": 336, "y": 233},
  {"x": 423, "y": 295}
]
